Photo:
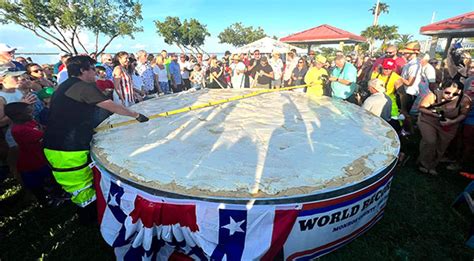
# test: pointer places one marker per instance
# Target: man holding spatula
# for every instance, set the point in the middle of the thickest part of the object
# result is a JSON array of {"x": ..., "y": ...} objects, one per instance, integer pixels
[{"x": 70, "y": 129}]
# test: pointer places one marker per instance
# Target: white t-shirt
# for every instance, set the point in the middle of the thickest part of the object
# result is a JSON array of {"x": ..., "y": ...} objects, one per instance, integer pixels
[
  {"x": 428, "y": 73},
  {"x": 290, "y": 66},
  {"x": 277, "y": 67},
  {"x": 162, "y": 73},
  {"x": 185, "y": 67},
  {"x": 240, "y": 66},
  {"x": 237, "y": 79},
  {"x": 412, "y": 69}
]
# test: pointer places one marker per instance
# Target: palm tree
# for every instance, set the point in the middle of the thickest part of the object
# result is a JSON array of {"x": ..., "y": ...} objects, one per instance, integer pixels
[
  {"x": 383, "y": 8},
  {"x": 403, "y": 40},
  {"x": 387, "y": 33},
  {"x": 371, "y": 33}
]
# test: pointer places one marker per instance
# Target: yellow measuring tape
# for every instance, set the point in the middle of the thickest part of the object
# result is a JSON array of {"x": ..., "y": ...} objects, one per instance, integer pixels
[{"x": 198, "y": 106}]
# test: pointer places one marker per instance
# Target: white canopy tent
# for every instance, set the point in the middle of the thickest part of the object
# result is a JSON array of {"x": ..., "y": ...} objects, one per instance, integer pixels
[{"x": 268, "y": 45}]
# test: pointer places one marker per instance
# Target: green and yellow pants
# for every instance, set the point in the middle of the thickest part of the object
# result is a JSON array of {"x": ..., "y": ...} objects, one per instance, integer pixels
[{"x": 71, "y": 170}]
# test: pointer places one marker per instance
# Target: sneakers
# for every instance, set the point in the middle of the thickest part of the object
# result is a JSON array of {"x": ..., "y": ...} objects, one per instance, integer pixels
[
  {"x": 424, "y": 170},
  {"x": 454, "y": 166}
]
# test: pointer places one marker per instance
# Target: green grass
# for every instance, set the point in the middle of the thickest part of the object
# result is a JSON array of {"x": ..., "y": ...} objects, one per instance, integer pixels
[{"x": 419, "y": 224}]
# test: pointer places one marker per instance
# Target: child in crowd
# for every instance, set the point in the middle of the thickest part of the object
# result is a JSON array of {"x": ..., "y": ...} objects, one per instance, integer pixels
[
  {"x": 31, "y": 163},
  {"x": 44, "y": 96},
  {"x": 105, "y": 85},
  {"x": 196, "y": 78}
]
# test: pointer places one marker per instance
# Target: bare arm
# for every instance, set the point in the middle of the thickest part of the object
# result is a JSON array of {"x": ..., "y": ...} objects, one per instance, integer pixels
[
  {"x": 4, "y": 120},
  {"x": 409, "y": 81},
  {"x": 398, "y": 83},
  {"x": 117, "y": 79},
  {"x": 116, "y": 108},
  {"x": 427, "y": 102}
]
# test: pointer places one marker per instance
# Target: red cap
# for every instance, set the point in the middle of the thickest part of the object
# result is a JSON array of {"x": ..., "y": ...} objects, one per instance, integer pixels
[{"x": 389, "y": 63}]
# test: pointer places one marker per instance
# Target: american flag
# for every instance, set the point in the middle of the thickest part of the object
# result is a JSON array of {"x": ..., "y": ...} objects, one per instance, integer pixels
[{"x": 141, "y": 226}]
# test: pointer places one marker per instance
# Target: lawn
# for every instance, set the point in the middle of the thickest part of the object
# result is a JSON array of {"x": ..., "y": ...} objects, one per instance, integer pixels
[{"x": 419, "y": 224}]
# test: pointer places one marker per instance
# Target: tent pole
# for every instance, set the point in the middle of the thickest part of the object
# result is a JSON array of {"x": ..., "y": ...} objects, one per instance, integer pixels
[
  {"x": 448, "y": 44},
  {"x": 433, "y": 44}
]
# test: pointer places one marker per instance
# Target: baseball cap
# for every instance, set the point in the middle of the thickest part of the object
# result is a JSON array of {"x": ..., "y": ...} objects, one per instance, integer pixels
[
  {"x": 6, "y": 48},
  {"x": 61, "y": 55},
  {"x": 7, "y": 71},
  {"x": 389, "y": 63}
]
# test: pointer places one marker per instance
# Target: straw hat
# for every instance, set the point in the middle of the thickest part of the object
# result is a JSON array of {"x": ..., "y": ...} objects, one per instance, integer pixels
[
  {"x": 412, "y": 47},
  {"x": 320, "y": 59},
  {"x": 236, "y": 57}
]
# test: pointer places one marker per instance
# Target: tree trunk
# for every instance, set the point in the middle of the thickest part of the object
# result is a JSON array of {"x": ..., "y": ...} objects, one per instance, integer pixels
[
  {"x": 97, "y": 43},
  {"x": 108, "y": 42},
  {"x": 181, "y": 48}
]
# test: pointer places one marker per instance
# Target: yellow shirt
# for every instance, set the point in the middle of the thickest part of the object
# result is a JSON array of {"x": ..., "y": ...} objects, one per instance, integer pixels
[
  {"x": 389, "y": 88},
  {"x": 314, "y": 81}
]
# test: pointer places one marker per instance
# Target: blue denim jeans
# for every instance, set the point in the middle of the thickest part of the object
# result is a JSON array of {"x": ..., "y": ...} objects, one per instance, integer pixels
[
  {"x": 196, "y": 86},
  {"x": 165, "y": 87}
]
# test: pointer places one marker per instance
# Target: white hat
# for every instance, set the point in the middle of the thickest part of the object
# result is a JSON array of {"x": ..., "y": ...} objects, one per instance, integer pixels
[
  {"x": 377, "y": 84},
  {"x": 6, "y": 48},
  {"x": 61, "y": 55},
  {"x": 6, "y": 71}
]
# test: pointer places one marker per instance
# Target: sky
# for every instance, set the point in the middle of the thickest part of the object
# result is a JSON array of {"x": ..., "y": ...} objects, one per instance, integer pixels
[{"x": 276, "y": 17}]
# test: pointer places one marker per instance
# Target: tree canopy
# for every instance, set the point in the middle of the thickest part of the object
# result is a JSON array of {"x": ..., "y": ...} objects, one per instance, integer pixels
[
  {"x": 403, "y": 40},
  {"x": 385, "y": 33},
  {"x": 382, "y": 8},
  {"x": 60, "y": 22},
  {"x": 239, "y": 35},
  {"x": 189, "y": 35}
]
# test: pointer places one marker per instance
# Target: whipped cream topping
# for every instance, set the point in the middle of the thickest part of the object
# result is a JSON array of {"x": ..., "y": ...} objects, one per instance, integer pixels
[{"x": 270, "y": 145}]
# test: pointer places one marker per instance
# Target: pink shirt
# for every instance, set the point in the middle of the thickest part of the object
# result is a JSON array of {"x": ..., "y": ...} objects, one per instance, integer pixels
[{"x": 399, "y": 61}]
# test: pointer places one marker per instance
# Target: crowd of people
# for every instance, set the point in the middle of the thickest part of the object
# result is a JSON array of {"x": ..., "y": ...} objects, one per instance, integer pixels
[{"x": 48, "y": 112}]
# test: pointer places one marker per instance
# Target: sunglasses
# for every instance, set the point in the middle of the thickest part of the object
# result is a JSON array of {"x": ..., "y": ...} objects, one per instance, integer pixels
[
  {"x": 37, "y": 71},
  {"x": 454, "y": 94},
  {"x": 391, "y": 53},
  {"x": 300, "y": 62}
]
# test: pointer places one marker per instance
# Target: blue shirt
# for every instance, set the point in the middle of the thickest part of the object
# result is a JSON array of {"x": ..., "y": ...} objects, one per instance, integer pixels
[
  {"x": 175, "y": 72},
  {"x": 349, "y": 73}
]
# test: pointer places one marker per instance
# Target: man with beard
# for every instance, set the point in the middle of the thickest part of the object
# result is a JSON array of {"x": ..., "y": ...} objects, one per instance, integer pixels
[{"x": 390, "y": 52}]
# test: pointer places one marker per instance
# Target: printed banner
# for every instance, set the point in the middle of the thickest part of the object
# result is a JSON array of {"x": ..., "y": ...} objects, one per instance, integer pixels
[
  {"x": 141, "y": 226},
  {"x": 324, "y": 226}
]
